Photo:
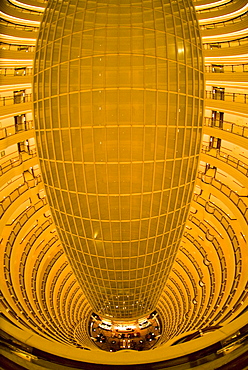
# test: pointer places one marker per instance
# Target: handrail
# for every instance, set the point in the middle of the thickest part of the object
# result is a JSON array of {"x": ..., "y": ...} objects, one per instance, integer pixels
[
  {"x": 231, "y": 127},
  {"x": 9, "y": 100},
  {"x": 214, "y": 8},
  {"x": 15, "y": 161},
  {"x": 15, "y": 47},
  {"x": 25, "y": 10},
  {"x": 226, "y": 96},
  {"x": 15, "y": 129},
  {"x": 225, "y": 189},
  {"x": 19, "y": 26},
  {"x": 8, "y": 200},
  {"x": 234, "y": 241},
  {"x": 205, "y": 229},
  {"x": 24, "y": 71},
  {"x": 210, "y": 26},
  {"x": 212, "y": 208},
  {"x": 215, "y": 68},
  {"x": 225, "y": 44},
  {"x": 227, "y": 158},
  {"x": 223, "y": 220}
]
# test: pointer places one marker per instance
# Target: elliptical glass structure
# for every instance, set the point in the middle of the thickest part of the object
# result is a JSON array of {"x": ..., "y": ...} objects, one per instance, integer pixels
[{"x": 118, "y": 97}]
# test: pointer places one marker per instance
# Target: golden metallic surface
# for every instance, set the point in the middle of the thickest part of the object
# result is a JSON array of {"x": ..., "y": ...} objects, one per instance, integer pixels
[{"x": 118, "y": 116}]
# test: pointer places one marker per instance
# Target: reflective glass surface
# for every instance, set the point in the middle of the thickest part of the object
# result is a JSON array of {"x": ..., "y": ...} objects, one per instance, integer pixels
[{"x": 118, "y": 113}]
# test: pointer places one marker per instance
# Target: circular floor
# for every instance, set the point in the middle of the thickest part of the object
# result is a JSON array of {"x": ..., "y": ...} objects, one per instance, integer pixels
[{"x": 112, "y": 336}]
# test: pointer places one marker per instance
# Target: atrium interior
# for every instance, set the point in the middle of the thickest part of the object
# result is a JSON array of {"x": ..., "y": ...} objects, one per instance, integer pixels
[{"x": 195, "y": 295}]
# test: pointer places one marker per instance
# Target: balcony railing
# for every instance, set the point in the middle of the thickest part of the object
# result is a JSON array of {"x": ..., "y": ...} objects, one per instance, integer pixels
[
  {"x": 18, "y": 26},
  {"x": 214, "y": 8},
  {"x": 16, "y": 161},
  {"x": 218, "y": 213},
  {"x": 15, "y": 129},
  {"x": 25, "y": 10},
  {"x": 226, "y": 68},
  {"x": 9, "y": 100},
  {"x": 226, "y": 44},
  {"x": 227, "y": 126},
  {"x": 227, "y": 158},
  {"x": 230, "y": 97},
  {"x": 223, "y": 188},
  {"x": 22, "y": 71},
  {"x": 7, "y": 201},
  {"x": 14, "y": 47},
  {"x": 210, "y": 26}
]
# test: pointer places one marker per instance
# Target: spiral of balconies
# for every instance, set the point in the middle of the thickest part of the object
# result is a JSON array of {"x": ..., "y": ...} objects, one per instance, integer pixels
[
  {"x": 214, "y": 239},
  {"x": 207, "y": 286},
  {"x": 39, "y": 292}
]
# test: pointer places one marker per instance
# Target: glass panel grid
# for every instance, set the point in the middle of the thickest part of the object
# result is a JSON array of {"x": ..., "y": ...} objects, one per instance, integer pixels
[{"x": 118, "y": 131}]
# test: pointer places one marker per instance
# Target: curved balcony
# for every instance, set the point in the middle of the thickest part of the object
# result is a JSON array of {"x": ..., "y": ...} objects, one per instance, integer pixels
[
  {"x": 237, "y": 54},
  {"x": 236, "y": 303},
  {"x": 16, "y": 55},
  {"x": 227, "y": 224},
  {"x": 231, "y": 127},
  {"x": 40, "y": 276},
  {"x": 9, "y": 200},
  {"x": 226, "y": 68},
  {"x": 10, "y": 100},
  {"x": 16, "y": 76},
  {"x": 183, "y": 288},
  {"x": 227, "y": 130},
  {"x": 9, "y": 11},
  {"x": 19, "y": 81},
  {"x": 25, "y": 8},
  {"x": 14, "y": 129},
  {"x": 41, "y": 273},
  {"x": 174, "y": 302},
  {"x": 22, "y": 226},
  {"x": 27, "y": 28},
  {"x": 221, "y": 24},
  {"x": 21, "y": 158},
  {"x": 34, "y": 239},
  {"x": 234, "y": 270},
  {"x": 226, "y": 44},
  {"x": 232, "y": 35},
  {"x": 4, "y": 46},
  {"x": 232, "y": 249},
  {"x": 200, "y": 277},
  {"x": 16, "y": 72},
  {"x": 227, "y": 102},
  {"x": 222, "y": 12},
  {"x": 226, "y": 158},
  {"x": 229, "y": 81},
  {"x": 233, "y": 196},
  {"x": 210, "y": 274},
  {"x": 206, "y": 7}
]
